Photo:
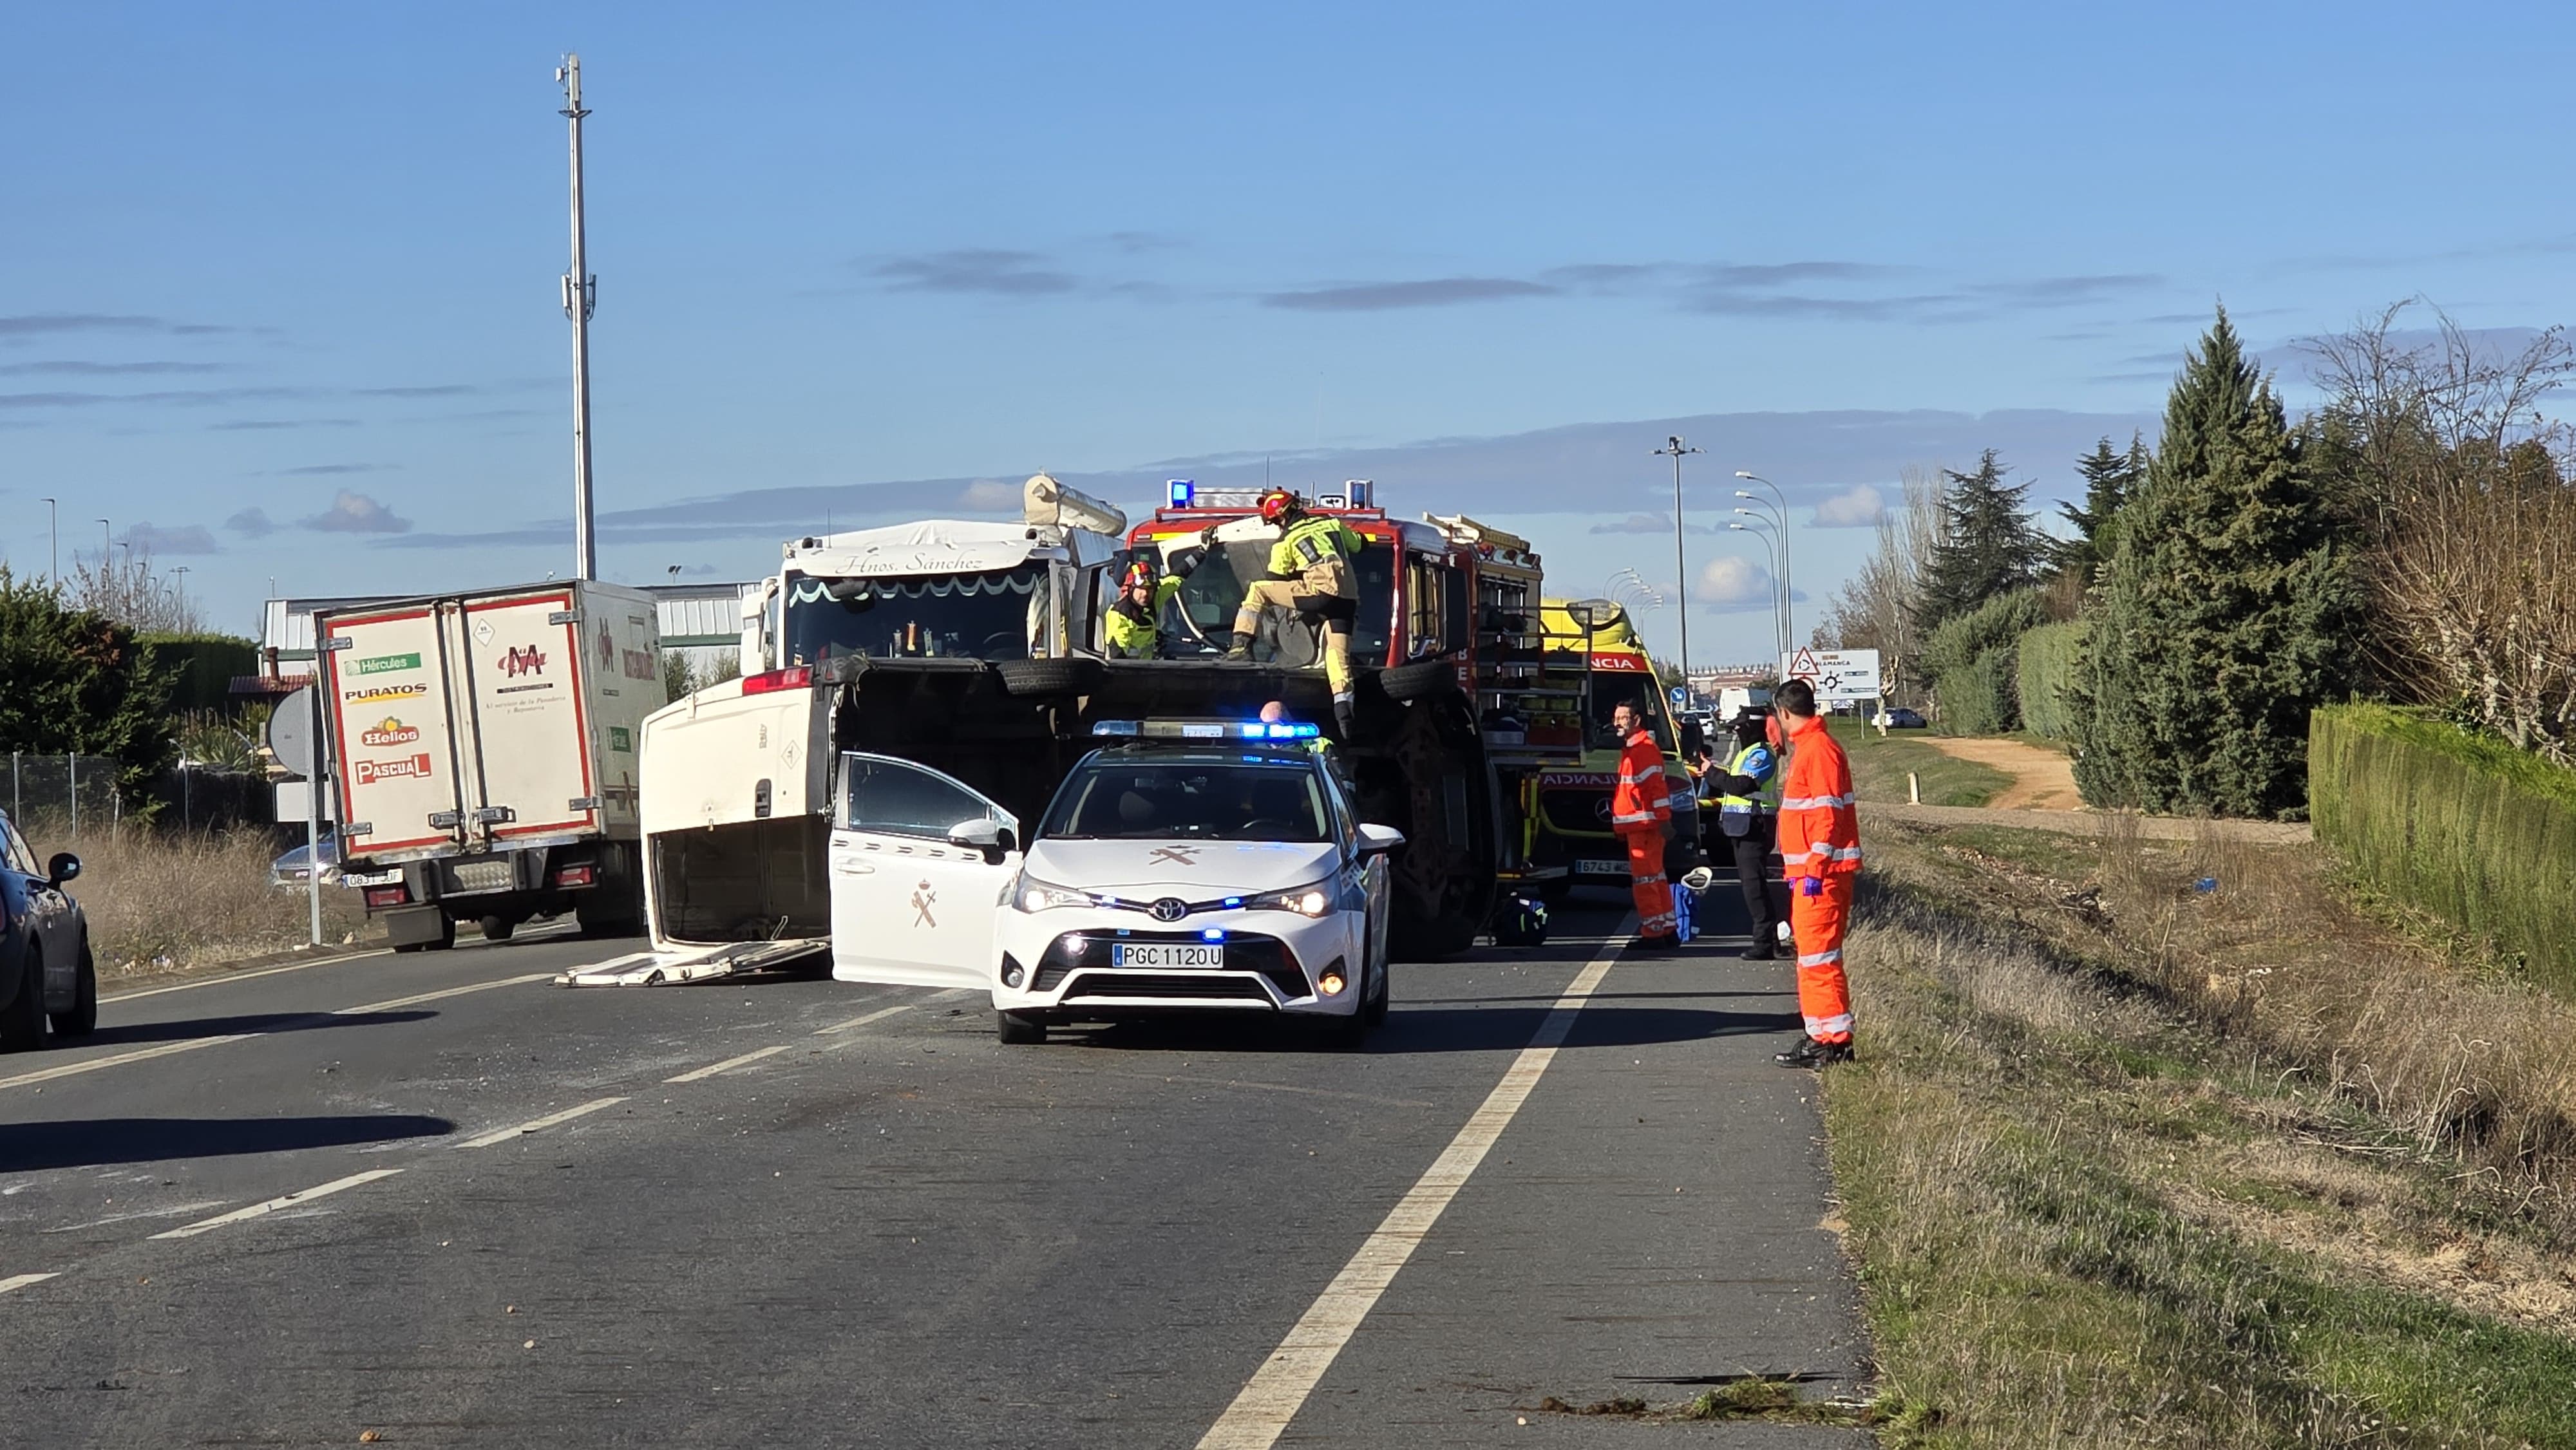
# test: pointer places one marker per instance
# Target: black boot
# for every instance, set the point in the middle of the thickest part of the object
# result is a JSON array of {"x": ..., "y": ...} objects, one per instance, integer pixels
[
  {"x": 1648, "y": 945},
  {"x": 1811, "y": 1053},
  {"x": 1762, "y": 950}
]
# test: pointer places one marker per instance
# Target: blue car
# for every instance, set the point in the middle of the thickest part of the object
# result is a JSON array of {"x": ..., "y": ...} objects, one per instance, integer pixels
[{"x": 46, "y": 975}]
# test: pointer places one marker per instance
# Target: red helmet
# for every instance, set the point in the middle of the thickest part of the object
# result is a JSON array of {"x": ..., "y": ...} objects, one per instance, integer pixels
[
  {"x": 1139, "y": 575},
  {"x": 1275, "y": 505}
]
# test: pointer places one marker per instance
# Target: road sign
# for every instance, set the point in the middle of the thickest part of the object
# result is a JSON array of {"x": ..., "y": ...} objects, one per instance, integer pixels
[
  {"x": 1681, "y": 697},
  {"x": 1837, "y": 674},
  {"x": 291, "y": 734}
]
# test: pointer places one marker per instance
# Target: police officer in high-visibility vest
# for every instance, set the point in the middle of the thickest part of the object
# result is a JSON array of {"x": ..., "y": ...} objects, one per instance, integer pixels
[
  {"x": 1310, "y": 572},
  {"x": 1134, "y": 623},
  {"x": 1641, "y": 812},
  {"x": 1820, "y": 855},
  {"x": 1748, "y": 796}
]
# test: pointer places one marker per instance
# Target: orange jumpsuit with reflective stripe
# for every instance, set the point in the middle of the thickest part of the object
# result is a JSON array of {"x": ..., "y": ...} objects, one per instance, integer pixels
[
  {"x": 1819, "y": 841},
  {"x": 1640, "y": 805}
]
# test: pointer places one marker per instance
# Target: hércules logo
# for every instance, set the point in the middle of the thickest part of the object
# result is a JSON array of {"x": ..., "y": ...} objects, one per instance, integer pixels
[
  {"x": 388, "y": 731},
  {"x": 412, "y": 766},
  {"x": 381, "y": 663}
]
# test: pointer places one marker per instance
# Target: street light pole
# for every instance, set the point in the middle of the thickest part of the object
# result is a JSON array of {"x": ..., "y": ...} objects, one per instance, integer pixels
[
  {"x": 1675, "y": 448},
  {"x": 1788, "y": 589},
  {"x": 106, "y": 546},
  {"x": 580, "y": 294},
  {"x": 1780, "y": 574},
  {"x": 1770, "y": 551}
]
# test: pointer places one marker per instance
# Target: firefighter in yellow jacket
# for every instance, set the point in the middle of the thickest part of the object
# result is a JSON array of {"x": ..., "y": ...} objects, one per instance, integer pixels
[
  {"x": 1641, "y": 811},
  {"x": 1310, "y": 572},
  {"x": 1135, "y": 623}
]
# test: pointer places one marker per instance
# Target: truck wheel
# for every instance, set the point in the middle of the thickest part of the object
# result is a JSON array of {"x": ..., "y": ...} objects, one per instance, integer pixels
[
  {"x": 22, "y": 1026},
  {"x": 82, "y": 1019},
  {"x": 1418, "y": 681},
  {"x": 1048, "y": 677},
  {"x": 446, "y": 935},
  {"x": 497, "y": 928},
  {"x": 1018, "y": 1029},
  {"x": 1444, "y": 876}
]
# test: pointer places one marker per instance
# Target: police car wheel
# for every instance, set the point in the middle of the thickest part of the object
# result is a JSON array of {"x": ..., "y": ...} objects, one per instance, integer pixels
[{"x": 1018, "y": 1029}]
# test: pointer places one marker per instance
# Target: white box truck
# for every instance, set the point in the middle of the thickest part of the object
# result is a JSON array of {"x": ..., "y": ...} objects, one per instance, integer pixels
[{"x": 483, "y": 755}]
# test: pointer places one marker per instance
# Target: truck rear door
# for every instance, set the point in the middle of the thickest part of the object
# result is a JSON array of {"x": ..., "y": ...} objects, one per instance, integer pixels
[
  {"x": 531, "y": 744},
  {"x": 398, "y": 762}
]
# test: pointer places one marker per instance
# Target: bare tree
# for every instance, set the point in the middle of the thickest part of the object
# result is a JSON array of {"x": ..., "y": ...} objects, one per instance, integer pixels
[
  {"x": 1875, "y": 609},
  {"x": 2458, "y": 479},
  {"x": 133, "y": 595}
]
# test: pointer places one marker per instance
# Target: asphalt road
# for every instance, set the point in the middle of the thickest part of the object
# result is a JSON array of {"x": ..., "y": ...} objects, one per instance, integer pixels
[{"x": 878, "y": 1226}]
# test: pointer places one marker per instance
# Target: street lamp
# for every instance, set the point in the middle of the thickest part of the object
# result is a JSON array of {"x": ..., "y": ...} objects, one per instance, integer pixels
[
  {"x": 1779, "y": 586},
  {"x": 1675, "y": 448},
  {"x": 1770, "y": 549},
  {"x": 1788, "y": 590}
]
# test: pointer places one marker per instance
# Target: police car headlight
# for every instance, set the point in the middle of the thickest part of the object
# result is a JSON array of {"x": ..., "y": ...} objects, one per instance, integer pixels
[
  {"x": 1031, "y": 894},
  {"x": 1312, "y": 900}
]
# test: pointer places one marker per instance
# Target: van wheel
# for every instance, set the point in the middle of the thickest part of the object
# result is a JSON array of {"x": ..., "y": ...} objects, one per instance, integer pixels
[
  {"x": 1019, "y": 1029},
  {"x": 22, "y": 1026},
  {"x": 82, "y": 1019},
  {"x": 498, "y": 928},
  {"x": 1048, "y": 677}
]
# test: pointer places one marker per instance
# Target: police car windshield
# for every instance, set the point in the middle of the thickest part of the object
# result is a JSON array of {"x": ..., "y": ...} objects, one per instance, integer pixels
[
  {"x": 952, "y": 616},
  {"x": 1151, "y": 800}
]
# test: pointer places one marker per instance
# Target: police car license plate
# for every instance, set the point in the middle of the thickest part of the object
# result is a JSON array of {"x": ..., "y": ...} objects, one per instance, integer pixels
[
  {"x": 1166, "y": 954},
  {"x": 1600, "y": 868}
]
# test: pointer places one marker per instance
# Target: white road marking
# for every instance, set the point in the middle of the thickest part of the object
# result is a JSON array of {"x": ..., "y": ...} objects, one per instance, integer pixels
[
  {"x": 95, "y": 1064},
  {"x": 243, "y": 976},
  {"x": 540, "y": 1124},
  {"x": 879, "y": 1015},
  {"x": 729, "y": 1064},
  {"x": 1278, "y": 1390},
  {"x": 21, "y": 1281},
  {"x": 292, "y": 1200}
]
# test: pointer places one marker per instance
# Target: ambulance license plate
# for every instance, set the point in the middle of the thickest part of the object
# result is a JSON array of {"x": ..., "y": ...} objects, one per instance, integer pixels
[
  {"x": 1166, "y": 954},
  {"x": 1600, "y": 868}
]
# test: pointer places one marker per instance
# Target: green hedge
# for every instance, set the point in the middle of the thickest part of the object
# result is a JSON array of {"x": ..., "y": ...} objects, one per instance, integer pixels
[
  {"x": 203, "y": 666},
  {"x": 1977, "y": 698},
  {"x": 2467, "y": 827},
  {"x": 2047, "y": 667}
]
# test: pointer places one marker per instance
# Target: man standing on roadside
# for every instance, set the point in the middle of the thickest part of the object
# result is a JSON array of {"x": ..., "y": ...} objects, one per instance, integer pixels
[
  {"x": 1641, "y": 811},
  {"x": 1744, "y": 794},
  {"x": 1820, "y": 856}
]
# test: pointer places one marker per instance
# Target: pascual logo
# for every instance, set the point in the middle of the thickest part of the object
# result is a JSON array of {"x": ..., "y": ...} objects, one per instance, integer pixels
[
  {"x": 528, "y": 660},
  {"x": 382, "y": 663},
  {"x": 388, "y": 731},
  {"x": 383, "y": 692},
  {"x": 409, "y": 766}
]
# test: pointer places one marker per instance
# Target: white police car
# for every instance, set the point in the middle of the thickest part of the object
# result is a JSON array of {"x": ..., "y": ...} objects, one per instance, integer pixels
[{"x": 1188, "y": 866}]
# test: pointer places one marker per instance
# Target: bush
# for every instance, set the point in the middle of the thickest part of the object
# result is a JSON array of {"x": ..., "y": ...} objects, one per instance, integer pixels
[
  {"x": 1977, "y": 698},
  {"x": 2047, "y": 667},
  {"x": 2463, "y": 825},
  {"x": 1971, "y": 661},
  {"x": 202, "y": 666}
]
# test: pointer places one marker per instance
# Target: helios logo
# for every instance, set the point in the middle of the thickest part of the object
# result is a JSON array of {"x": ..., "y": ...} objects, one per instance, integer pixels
[
  {"x": 388, "y": 731},
  {"x": 382, "y": 663},
  {"x": 408, "y": 767}
]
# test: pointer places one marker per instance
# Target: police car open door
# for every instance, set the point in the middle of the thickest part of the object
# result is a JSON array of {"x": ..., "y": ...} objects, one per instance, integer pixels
[{"x": 919, "y": 864}]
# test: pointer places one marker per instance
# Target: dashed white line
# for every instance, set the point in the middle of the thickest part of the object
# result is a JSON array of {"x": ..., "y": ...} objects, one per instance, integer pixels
[
  {"x": 418, "y": 998},
  {"x": 1278, "y": 1390},
  {"x": 730, "y": 1063},
  {"x": 538, "y": 1125},
  {"x": 292, "y": 1200},
  {"x": 21, "y": 1281}
]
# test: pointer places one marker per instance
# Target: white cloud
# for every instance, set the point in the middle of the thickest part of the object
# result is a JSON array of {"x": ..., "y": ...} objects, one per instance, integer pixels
[
  {"x": 985, "y": 496},
  {"x": 1857, "y": 507},
  {"x": 182, "y": 539},
  {"x": 251, "y": 521},
  {"x": 355, "y": 513},
  {"x": 1730, "y": 583}
]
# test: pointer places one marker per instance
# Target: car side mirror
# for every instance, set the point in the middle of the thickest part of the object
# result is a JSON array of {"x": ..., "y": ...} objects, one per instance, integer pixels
[
  {"x": 994, "y": 838},
  {"x": 63, "y": 867},
  {"x": 1378, "y": 840}
]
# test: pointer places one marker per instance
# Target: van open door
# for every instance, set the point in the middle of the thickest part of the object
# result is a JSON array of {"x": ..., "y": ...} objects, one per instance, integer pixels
[{"x": 919, "y": 865}]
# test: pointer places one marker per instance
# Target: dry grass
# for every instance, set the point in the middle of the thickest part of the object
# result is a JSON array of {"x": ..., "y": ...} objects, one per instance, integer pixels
[
  {"x": 2116, "y": 1174},
  {"x": 161, "y": 903}
]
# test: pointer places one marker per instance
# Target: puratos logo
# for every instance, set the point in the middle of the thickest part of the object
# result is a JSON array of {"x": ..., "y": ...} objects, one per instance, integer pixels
[{"x": 381, "y": 663}]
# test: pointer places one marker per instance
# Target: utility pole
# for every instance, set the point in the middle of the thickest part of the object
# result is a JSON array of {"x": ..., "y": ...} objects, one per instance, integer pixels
[
  {"x": 1673, "y": 446},
  {"x": 580, "y": 294}
]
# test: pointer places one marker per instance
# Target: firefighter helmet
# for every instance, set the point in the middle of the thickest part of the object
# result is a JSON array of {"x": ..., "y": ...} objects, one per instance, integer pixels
[
  {"x": 1276, "y": 504},
  {"x": 1139, "y": 575}
]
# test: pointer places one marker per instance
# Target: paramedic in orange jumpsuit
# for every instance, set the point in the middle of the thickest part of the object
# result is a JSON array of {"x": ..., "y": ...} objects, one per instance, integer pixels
[
  {"x": 1641, "y": 811},
  {"x": 1820, "y": 857}
]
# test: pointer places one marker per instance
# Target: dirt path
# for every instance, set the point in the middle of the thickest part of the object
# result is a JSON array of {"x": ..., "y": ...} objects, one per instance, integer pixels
[{"x": 2043, "y": 780}]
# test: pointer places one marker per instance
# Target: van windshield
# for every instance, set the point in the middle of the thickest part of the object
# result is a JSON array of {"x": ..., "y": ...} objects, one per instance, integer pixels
[{"x": 949, "y": 616}]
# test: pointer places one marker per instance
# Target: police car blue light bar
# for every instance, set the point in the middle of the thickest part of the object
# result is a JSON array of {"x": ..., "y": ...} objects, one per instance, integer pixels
[{"x": 1207, "y": 729}]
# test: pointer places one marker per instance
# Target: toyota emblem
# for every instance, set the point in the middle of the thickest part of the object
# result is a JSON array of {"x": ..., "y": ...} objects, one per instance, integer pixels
[{"x": 1170, "y": 908}]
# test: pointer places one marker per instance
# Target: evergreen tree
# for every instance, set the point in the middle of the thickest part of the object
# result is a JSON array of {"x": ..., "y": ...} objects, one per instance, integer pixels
[
  {"x": 80, "y": 683},
  {"x": 2225, "y": 610},
  {"x": 1989, "y": 545},
  {"x": 2109, "y": 478}
]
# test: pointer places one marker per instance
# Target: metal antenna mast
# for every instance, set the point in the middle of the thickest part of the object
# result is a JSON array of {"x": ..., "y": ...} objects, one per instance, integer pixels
[
  {"x": 580, "y": 294},
  {"x": 1681, "y": 570}
]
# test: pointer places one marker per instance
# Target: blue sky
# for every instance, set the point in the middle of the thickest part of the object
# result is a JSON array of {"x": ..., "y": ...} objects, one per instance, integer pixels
[{"x": 279, "y": 282}]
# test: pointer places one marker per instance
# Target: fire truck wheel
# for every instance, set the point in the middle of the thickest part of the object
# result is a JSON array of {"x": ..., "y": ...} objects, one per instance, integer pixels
[
  {"x": 1418, "y": 681},
  {"x": 1444, "y": 883},
  {"x": 1048, "y": 677}
]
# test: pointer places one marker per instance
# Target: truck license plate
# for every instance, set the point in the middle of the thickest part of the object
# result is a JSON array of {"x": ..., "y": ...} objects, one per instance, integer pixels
[
  {"x": 1600, "y": 868},
  {"x": 1166, "y": 954}
]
